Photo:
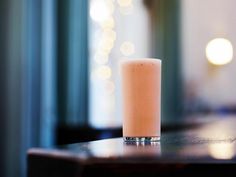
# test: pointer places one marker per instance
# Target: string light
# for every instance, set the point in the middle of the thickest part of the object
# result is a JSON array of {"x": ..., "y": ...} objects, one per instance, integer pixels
[
  {"x": 101, "y": 58},
  {"x": 106, "y": 45},
  {"x": 103, "y": 72},
  {"x": 108, "y": 23},
  {"x": 126, "y": 11},
  {"x": 109, "y": 34},
  {"x": 125, "y": 3},
  {"x": 101, "y": 10}
]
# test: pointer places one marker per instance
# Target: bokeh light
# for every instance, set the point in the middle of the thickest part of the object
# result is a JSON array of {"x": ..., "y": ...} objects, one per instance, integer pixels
[
  {"x": 101, "y": 10},
  {"x": 108, "y": 23},
  {"x": 109, "y": 34},
  {"x": 127, "y": 48},
  {"x": 222, "y": 150},
  {"x": 106, "y": 44},
  {"x": 103, "y": 72},
  {"x": 126, "y": 10},
  {"x": 125, "y": 3},
  {"x": 219, "y": 51},
  {"x": 101, "y": 58}
]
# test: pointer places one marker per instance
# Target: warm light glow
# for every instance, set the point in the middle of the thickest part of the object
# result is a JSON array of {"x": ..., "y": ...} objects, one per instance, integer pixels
[
  {"x": 103, "y": 72},
  {"x": 107, "y": 41},
  {"x": 101, "y": 10},
  {"x": 126, "y": 10},
  {"x": 106, "y": 45},
  {"x": 125, "y": 3},
  {"x": 108, "y": 23},
  {"x": 102, "y": 84},
  {"x": 219, "y": 51},
  {"x": 106, "y": 148},
  {"x": 101, "y": 58},
  {"x": 109, "y": 34},
  {"x": 222, "y": 151},
  {"x": 127, "y": 48}
]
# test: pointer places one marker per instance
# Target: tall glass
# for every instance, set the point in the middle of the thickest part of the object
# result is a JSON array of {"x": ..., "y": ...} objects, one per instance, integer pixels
[{"x": 141, "y": 91}]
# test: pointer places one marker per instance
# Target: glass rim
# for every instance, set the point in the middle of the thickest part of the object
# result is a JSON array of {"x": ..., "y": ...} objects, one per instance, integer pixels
[{"x": 131, "y": 60}]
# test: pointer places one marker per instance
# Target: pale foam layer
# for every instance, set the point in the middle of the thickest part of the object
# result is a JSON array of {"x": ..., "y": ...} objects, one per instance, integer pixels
[{"x": 141, "y": 61}]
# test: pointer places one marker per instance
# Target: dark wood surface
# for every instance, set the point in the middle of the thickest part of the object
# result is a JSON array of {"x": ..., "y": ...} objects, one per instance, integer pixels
[{"x": 208, "y": 149}]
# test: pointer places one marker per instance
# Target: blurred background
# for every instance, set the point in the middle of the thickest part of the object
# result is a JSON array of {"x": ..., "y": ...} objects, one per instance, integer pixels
[{"x": 59, "y": 77}]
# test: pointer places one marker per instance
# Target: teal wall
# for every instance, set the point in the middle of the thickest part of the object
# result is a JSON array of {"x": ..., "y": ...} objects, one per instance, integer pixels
[{"x": 167, "y": 46}]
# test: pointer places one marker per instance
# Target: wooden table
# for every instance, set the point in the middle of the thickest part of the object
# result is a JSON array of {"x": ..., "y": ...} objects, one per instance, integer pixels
[{"x": 206, "y": 150}]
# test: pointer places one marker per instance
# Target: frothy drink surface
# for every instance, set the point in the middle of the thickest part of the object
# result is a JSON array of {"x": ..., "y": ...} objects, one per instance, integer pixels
[{"x": 141, "y": 87}]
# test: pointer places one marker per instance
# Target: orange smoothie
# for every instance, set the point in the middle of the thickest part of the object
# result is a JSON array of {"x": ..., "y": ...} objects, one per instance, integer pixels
[{"x": 141, "y": 87}]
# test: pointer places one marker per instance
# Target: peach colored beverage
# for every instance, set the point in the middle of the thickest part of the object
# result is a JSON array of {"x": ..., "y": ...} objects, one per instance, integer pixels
[{"x": 141, "y": 87}]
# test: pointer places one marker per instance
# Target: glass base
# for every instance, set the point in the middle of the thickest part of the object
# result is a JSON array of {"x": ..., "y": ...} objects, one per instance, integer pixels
[{"x": 142, "y": 139}]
